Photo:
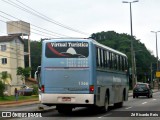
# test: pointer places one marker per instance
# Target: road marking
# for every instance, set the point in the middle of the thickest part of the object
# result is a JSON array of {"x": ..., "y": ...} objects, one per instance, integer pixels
[
  {"x": 105, "y": 115},
  {"x": 128, "y": 108},
  {"x": 154, "y": 99},
  {"x": 144, "y": 102}
]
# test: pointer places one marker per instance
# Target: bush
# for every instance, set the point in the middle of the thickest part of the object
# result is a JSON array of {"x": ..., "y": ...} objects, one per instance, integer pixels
[
  {"x": 2, "y": 88},
  {"x": 35, "y": 90}
]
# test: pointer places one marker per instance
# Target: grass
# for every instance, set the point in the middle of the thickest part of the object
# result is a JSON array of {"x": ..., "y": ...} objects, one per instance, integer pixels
[{"x": 12, "y": 98}]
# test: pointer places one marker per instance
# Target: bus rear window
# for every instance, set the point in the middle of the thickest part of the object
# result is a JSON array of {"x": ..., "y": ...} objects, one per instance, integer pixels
[{"x": 67, "y": 50}]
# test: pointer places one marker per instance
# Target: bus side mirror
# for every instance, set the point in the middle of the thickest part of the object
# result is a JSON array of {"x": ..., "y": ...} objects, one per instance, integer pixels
[{"x": 37, "y": 76}]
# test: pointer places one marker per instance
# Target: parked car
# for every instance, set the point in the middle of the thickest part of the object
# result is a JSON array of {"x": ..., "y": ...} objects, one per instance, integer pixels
[
  {"x": 142, "y": 89},
  {"x": 6, "y": 93},
  {"x": 25, "y": 90}
]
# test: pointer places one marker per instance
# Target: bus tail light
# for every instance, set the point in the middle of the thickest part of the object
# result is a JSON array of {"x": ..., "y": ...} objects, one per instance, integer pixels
[
  {"x": 42, "y": 89},
  {"x": 91, "y": 88}
]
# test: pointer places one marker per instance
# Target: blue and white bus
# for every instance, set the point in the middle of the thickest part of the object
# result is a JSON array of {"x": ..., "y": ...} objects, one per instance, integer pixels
[{"x": 82, "y": 73}]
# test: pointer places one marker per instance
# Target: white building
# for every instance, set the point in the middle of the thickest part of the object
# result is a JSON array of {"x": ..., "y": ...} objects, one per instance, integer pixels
[{"x": 11, "y": 57}]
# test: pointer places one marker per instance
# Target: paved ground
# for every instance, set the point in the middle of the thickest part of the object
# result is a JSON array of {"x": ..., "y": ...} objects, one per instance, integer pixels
[{"x": 29, "y": 102}]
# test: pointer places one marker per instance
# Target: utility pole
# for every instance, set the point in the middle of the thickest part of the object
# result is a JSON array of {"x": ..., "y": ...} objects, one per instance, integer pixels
[
  {"x": 151, "y": 77},
  {"x": 132, "y": 54},
  {"x": 157, "y": 54}
]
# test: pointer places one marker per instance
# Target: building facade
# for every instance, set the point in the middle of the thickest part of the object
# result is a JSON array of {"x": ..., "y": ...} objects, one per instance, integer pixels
[{"x": 11, "y": 57}]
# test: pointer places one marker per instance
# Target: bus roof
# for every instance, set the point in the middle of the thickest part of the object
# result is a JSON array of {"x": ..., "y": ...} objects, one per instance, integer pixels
[{"x": 85, "y": 39}]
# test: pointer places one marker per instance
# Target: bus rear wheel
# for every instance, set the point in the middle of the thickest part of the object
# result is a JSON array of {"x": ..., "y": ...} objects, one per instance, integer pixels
[{"x": 106, "y": 104}]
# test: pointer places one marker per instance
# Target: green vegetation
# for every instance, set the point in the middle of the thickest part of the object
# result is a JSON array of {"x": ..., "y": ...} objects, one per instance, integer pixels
[
  {"x": 35, "y": 48},
  {"x": 5, "y": 76},
  {"x": 20, "y": 98},
  {"x": 35, "y": 90},
  {"x": 3, "y": 79},
  {"x": 2, "y": 87},
  {"x": 23, "y": 72}
]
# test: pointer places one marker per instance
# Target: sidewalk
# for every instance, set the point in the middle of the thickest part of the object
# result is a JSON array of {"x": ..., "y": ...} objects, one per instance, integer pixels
[{"x": 18, "y": 103}]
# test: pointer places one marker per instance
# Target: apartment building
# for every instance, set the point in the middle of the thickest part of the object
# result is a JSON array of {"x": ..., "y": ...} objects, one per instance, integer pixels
[{"x": 11, "y": 57}]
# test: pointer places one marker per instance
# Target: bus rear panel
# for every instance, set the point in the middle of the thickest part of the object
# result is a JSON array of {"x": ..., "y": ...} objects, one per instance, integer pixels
[{"x": 66, "y": 67}]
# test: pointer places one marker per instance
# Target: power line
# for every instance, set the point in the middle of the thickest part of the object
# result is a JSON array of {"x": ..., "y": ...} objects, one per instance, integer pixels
[
  {"x": 33, "y": 25},
  {"x": 24, "y": 29},
  {"x": 56, "y": 22},
  {"x": 40, "y": 15}
]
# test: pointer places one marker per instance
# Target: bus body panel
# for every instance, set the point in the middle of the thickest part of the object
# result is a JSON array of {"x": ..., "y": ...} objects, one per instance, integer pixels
[
  {"x": 69, "y": 77},
  {"x": 67, "y": 80}
]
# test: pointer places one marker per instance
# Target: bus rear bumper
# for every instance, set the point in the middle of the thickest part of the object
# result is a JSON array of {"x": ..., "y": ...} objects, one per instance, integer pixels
[{"x": 67, "y": 98}]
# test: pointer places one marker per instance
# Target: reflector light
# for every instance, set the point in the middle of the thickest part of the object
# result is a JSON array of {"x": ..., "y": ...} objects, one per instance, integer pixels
[
  {"x": 91, "y": 88},
  {"x": 42, "y": 88}
]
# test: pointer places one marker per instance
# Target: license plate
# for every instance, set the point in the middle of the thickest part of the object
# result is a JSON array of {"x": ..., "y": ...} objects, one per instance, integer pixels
[
  {"x": 66, "y": 99},
  {"x": 140, "y": 89}
]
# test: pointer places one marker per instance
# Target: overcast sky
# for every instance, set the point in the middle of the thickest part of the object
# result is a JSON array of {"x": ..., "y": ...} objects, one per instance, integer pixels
[{"x": 87, "y": 16}]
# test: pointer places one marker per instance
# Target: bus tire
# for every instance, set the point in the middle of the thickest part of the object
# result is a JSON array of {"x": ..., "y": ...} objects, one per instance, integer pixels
[{"x": 106, "y": 104}]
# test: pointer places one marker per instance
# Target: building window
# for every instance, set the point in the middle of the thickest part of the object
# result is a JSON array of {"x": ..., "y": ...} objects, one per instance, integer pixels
[
  {"x": 4, "y": 60},
  {"x": 3, "y": 47}
]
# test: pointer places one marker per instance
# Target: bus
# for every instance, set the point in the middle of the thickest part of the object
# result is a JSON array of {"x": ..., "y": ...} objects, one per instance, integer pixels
[{"x": 77, "y": 72}]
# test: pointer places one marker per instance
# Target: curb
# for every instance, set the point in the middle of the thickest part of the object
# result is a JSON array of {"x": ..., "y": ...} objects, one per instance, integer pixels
[{"x": 18, "y": 103}]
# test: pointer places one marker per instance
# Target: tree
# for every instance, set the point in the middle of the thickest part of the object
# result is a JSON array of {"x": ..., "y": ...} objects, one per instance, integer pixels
[
  {"x": 23, "y": 72},
  {"x": 5, "y": 76},
  {"x": 2, "y": 88},
  {"x": 35, "y": 48}
]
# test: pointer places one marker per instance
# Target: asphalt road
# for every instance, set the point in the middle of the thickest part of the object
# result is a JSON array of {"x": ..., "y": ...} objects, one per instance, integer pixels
[{"x": 141, "y": 108}]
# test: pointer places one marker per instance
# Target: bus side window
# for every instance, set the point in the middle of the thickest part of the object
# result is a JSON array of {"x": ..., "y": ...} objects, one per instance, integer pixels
[
  {"x": 120, "y": 63},
  {"x": 104, "y": 59},
  {"x": 123, "y": 63},
  {"x": 97, "y": 56},
  {"x": 100, "y": 57},
  {"x": 107, "y": 55},
  {"x": 117, "y": 58},
  {"x": 113, "y": 64},
  {"x": 115, "y": 61},
  {"x": 110, "y": 60}
]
